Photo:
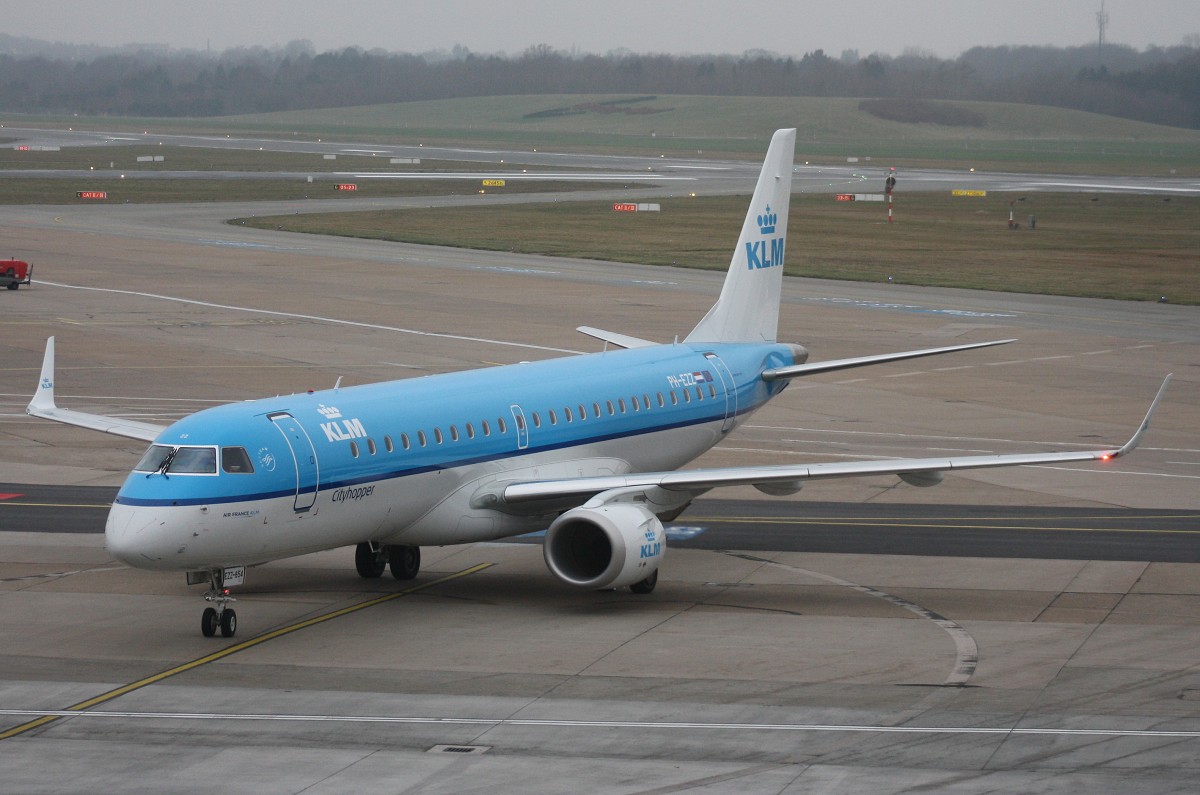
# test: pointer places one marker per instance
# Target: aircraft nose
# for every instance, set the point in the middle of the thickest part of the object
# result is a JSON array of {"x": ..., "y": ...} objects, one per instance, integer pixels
[{"x": 129, "y": 535}]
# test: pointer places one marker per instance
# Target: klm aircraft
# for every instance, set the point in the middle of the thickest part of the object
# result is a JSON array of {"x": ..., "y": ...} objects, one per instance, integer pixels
[{"x": 588, "y": 446}]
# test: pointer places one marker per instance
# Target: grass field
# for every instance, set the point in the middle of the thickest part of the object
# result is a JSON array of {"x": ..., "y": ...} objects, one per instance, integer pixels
[
  {"x": 1125, "y": 247},
  {"x": 1013, "y": 138}
]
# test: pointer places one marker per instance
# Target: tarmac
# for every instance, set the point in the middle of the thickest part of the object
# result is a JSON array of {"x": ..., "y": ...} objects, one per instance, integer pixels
[{"x": 764, "y": 672}]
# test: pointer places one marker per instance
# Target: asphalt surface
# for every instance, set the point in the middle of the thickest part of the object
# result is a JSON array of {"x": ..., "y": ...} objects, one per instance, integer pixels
[
  {"x": 754, "y": 667},
  {"x": 796, "y": 526}
]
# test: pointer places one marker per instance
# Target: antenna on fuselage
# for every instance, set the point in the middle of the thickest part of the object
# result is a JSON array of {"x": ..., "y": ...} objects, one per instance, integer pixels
[{"x": 338, "y": 384}]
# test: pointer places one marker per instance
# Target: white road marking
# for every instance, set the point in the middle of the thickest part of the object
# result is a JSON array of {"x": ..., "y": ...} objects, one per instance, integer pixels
[
  {"x": 315, "y": 318},
  {"x": 612, "y": 724},
  {"x": 966, "y": 658}
]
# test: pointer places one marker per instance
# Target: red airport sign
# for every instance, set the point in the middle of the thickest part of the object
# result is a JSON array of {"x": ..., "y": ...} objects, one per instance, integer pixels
[
  {"x": 623, "y": 207},
  {"x": 346, "y": 186},
  {"x": 91, "y": 194}
]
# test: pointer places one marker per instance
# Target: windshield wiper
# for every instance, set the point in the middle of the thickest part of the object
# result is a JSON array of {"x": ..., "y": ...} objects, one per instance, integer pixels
[{"x": 166, "y": 463}]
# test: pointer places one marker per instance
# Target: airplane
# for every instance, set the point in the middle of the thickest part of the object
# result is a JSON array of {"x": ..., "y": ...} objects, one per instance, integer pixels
[{"x": 588, "y": 446}]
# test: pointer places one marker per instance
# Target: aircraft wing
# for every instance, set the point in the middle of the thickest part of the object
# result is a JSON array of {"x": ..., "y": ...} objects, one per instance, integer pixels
[
  {"x": 43, "y": 406},
  {"x": 916, "y": 471}
]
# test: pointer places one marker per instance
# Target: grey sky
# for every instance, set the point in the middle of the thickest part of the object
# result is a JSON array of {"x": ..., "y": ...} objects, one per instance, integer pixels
[{"x": 944, "y": 27}]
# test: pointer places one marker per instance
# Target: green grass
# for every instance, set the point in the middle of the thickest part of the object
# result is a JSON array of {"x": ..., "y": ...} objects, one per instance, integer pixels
[
  {"x": 1124, "y": 247},
  {"x": 1014, "y": 137}
]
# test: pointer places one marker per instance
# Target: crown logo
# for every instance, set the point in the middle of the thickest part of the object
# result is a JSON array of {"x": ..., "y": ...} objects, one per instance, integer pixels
[
  {"x": 766, "y": 221},
  {"x": 330, "y": 412}
]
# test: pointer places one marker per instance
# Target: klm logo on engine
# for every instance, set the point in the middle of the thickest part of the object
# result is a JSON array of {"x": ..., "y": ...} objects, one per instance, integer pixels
[
  {"x": 767, "y": 252},
  {"x": 653, "y": 547},
  {"x": 340, "y": 430}
]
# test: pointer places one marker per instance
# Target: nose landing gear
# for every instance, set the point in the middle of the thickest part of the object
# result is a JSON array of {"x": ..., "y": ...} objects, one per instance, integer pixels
[{"x": 220, "y": 617}]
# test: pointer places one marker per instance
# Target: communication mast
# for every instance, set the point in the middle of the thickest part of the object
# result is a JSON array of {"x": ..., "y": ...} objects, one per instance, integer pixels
[{"x": 1102, "y": 23}]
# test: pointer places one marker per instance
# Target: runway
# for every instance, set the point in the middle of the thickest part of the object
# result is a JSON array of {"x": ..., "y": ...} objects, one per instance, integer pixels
[{"x": 1033, "y": 629}]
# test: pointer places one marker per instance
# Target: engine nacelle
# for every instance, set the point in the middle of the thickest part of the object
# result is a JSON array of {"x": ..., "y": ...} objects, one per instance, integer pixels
[{"x": 605, "y": 547}]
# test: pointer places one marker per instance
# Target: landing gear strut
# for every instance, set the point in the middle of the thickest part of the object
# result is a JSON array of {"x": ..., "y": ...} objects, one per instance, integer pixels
[{"x": 219, "y": 617}]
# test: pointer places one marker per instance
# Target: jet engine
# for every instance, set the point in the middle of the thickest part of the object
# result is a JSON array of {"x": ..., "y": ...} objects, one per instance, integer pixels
[{"x": 605, "y": 547}]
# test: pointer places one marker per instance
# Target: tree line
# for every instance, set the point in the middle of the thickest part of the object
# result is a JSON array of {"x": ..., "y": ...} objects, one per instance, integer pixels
[{"x": 1159, "y": 85}]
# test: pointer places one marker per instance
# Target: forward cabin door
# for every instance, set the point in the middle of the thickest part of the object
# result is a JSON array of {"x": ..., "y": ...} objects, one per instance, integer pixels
[{"x": 308, "y": 471}]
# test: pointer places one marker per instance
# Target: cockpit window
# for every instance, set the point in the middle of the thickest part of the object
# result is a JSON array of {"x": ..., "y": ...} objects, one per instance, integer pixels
[
  {"x": 179, "y": 460},
  {"x": 236, "y": 460},
  {"x": 152, "y": 461},
  {"x": 194, "y": 461}
]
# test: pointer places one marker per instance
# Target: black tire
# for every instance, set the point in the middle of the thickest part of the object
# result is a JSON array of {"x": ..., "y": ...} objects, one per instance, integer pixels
[
  {"x": 404, "y": 561},
  {"x": 228, "y": 623},
  {"x": 209, "y": 622},
  {"x": 646, "y": 585},
  {"x": 370, "y": 564},
  {"x": 14, "y": 285}
]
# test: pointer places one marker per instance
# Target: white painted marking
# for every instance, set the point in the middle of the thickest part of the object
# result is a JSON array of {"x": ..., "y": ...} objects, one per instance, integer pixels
[
  {"x": 314, "y": 318},
  {"x": 966, "y": 650},
  {"x": 614, "y": 724}
]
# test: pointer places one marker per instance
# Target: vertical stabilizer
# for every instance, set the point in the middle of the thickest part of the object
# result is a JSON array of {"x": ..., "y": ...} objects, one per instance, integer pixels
[{"x": 748, "y": 308}]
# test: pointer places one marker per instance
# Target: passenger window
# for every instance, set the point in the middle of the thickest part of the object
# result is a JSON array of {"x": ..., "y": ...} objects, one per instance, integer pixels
[
  {"x": 553, "y": 417},
  {"x": 687, "y": 396},
  {"x": 567, "y": 414},
  {"x": 674, "y": 398},
  {"x": 645, "y": 401},
  {"x": 404, "y": 441},
  {"x": 421, "y": 440},
  {"x": 371, "y": 446},
  {"x": 699, "y": 393},
  {"x": 634, "y": 402},
  {"x": 583, "y": 412},
  {"x": 501, "y": 425},
  {"x": 487, "y": 431},
  {"x": 354, "y": 449},
  {"x": 537, "y": 421},
  {"x": 470, "y": 431},
  {"x": 712, "y": 391},
  {"x": 437, "y": 435},
  {"x": 611, "y": 411},
  {"x": 520, "y": 419},
  {"x": 236, "y": 460},
  {"x": 661, "y": 402},
  {"x": 621, "y": 404},
  {"x": 387, "y": 443},
  {"x": 453, "y": 433}
]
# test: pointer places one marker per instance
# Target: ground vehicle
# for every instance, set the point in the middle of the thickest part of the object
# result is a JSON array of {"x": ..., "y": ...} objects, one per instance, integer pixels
[{"x": 15, "y": 272}]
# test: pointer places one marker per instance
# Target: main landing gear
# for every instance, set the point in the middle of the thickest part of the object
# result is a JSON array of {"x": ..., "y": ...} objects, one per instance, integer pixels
[
  {"x": 220, "y": 617},
  {"x": 371, "y": 559}
]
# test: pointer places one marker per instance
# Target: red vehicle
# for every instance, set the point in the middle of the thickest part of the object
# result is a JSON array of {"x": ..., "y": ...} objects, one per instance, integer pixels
[{"x": 15, "y": 272}]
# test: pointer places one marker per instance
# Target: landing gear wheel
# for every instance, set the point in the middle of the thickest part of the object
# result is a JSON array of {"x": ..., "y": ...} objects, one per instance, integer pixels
[
  {"x": 646, "y": 585},
  {"x": 404, "y": 561},
  {"x": 228, "y": 623},
  {"x": 209, "y": 622},
  {"x": 370, "y": 560}
]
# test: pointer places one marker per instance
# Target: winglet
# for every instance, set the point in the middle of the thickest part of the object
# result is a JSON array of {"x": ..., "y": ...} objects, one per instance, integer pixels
[
  {"x": 1141, "y": 431},
  {"x": 43, "y": 398}
]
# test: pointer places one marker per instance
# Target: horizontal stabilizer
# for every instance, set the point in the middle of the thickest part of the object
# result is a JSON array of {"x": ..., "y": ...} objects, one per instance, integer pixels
[
  {"x": 810, "y": 368},
  {"x": 613, "y": 338},
  {"x": 43, "y": 406}
]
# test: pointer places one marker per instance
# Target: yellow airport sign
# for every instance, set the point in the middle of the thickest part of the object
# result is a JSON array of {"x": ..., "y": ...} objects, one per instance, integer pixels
[
  {"x": 493, "y": 183},
  {"x": 968, "y": 193}
]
